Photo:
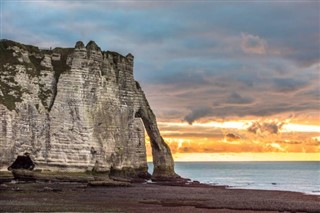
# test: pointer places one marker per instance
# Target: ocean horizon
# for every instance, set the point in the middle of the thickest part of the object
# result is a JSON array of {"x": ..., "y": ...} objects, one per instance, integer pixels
[{"x": 296, "y": 176}]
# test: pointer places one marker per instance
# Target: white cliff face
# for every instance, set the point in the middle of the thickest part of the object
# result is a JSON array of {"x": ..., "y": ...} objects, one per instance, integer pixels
[{"x": 76, "y": 109}]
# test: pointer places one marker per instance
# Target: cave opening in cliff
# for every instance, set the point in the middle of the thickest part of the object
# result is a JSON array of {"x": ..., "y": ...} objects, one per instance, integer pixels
[{"x": 22, "y": 162}]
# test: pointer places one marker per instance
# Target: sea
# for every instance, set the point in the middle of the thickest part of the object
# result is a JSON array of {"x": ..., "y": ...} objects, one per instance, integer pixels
[{"x": 283, "y": 176}]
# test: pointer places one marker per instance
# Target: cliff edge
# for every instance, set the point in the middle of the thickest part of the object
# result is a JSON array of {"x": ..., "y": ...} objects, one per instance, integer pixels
[{"x": 76, "y": 110}]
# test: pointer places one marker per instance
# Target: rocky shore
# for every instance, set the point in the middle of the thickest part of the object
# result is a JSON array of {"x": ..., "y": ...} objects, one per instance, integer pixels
[{"x": 57, "y": 196}]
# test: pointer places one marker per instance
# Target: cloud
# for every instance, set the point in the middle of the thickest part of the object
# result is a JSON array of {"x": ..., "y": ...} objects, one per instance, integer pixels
[
  {"x": 288, "y": 84},
  {"x": 253, "y": 44},
  {"x": 265, "y": 127},
  {"x": 197, "y": 113},
  {"x": 193, "y": 54},
  {"x": 232, "y": 137},
  {"x": 236, "y": 98},
  {"x": 266, "y": 103},
  {"x": 206, "y": 138},
  {"x": 289, "y": 142}
]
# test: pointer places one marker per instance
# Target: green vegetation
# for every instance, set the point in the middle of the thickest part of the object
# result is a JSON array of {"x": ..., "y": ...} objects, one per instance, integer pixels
[
  {"x": 61, "y": 66},
  {"x": 6, "y": 55},
  {"x": 34, "y": 68},
  {"x": 10, "y": 100},
  {"x": 11, "y": 91},
  {"x": 4, "y": 44}
]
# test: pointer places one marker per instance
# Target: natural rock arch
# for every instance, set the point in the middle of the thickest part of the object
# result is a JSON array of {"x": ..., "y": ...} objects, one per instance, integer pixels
[
  {"x": 77, "y": 112},
  {"x": 162, "y": 157}
]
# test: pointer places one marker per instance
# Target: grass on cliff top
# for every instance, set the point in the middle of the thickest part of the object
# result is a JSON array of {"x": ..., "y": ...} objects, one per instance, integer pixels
[
  {"x": 12, "y": 92},
  {"x": 4, "y": 44},
  {"x": 6, "y": 55}
]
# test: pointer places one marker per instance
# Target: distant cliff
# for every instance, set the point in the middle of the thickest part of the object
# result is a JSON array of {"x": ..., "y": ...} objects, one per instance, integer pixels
[{"x": 76, "y": 109}]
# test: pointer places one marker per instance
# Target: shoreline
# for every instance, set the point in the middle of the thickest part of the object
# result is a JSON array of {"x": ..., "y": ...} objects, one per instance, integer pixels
[
  {"x": 260, "y": 175},
  {"x": 149, "y": 197}
]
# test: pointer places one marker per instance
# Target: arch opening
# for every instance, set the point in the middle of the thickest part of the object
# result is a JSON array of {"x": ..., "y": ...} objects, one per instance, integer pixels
[
  {"x": 146, "y": 142},
  {"x": 163, "y": 165}
]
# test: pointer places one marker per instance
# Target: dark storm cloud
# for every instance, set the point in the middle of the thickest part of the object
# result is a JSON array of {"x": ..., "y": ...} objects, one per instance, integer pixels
[
  {"x": 236, "y": 98},
  {"x": 261, "y": 109},
  {"x": 197, "y": 113}
]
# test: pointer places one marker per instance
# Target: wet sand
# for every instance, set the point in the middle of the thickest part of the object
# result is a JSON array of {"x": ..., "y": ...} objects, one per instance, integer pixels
[{"x": 147, "y": 198}]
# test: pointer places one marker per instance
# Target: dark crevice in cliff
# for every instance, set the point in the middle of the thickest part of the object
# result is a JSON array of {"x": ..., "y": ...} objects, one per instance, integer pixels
[
  {"x": 47, "y": 144},
  {"x": 117, "y": 71},
  {"x": 138, "y": 85},
  {"x": 59, "y": 67},
  {"x": 54, "y": 93}
]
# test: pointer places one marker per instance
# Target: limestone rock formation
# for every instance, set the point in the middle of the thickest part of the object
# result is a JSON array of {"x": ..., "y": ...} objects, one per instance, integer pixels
[{"x": 75, "y": 110}]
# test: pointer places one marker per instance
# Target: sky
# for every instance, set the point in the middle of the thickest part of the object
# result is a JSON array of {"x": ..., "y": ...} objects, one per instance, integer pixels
[{"x": 226, "y": 79}]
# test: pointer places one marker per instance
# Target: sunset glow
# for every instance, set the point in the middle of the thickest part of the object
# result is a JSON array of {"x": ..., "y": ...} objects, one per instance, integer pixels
[
  {"x": 241, "y": 140},
  {"x": 300, "y": 128},
  {"x": 202, "y": 157}
]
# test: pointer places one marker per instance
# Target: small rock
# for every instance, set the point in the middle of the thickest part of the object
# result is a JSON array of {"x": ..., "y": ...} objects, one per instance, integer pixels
[
  {"x": 47, "y": 189},
  {"x": 4, "y": 185},
  {"x": 57, "y": 190},
  {"x": 16, "y": 189}
]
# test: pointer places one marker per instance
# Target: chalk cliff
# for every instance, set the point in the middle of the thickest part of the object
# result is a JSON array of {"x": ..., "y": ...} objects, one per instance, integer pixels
[{"x": 75, "y": 110}]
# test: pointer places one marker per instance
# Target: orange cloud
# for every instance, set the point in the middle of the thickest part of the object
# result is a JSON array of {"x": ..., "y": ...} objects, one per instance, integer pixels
[{"x": 271, "y": 136}]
